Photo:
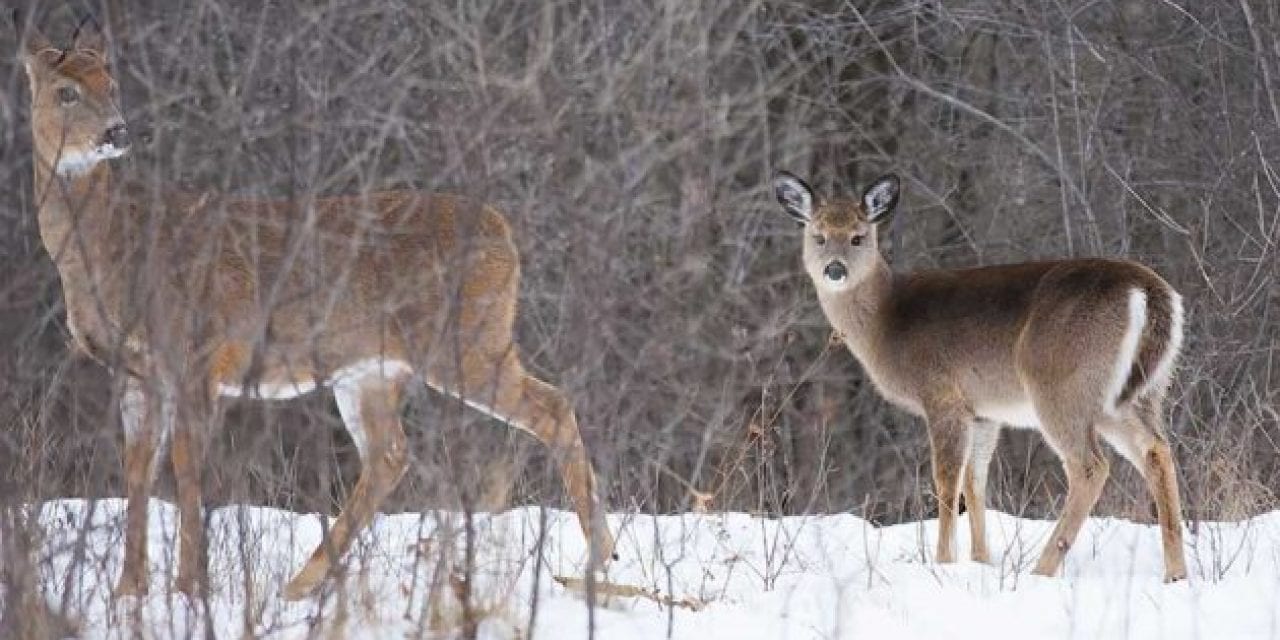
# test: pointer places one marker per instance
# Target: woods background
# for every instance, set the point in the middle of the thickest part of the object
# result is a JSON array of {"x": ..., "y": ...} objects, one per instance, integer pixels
[{"x": 631, "y": 144}]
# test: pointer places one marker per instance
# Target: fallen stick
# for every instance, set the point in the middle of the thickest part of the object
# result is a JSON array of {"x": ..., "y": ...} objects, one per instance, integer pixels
[{"x": 607, "y": 589}]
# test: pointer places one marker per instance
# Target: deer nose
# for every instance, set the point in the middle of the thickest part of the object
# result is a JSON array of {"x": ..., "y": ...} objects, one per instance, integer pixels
[
  {"x": 117, "y": 136},
  {"x": 835, "y": 272}
]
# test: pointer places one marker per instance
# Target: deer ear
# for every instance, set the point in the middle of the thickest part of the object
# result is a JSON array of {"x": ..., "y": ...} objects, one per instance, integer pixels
[
  {"x": 880, "y": 198},
  {"x": 794, "y": 195},
  {"x": 33, "y": 42},
  {"x": 89, "y": 36}
]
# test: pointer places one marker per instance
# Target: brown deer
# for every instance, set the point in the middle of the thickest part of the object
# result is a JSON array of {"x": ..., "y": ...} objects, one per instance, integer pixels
[
  {"x": 1077, "y": 349},
  {"x": 194, "y": 298}
]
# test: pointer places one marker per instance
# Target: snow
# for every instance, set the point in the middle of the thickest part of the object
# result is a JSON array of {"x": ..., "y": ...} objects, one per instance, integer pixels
[{"x": 830, "y": 576}]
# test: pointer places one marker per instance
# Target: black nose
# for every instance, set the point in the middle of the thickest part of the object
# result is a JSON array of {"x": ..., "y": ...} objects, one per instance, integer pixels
[
  {"x": 835, "y": 272},
  {"x": 117, "y": 136}
]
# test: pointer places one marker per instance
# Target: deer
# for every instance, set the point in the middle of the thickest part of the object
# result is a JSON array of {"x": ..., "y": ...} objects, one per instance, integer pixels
[
  {"x": 1081, "y": 350},
  {"x": 195, "y": 298}
]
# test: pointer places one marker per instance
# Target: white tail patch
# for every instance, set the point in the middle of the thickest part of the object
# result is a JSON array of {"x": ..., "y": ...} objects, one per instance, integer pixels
[
  {"x": 1128, "y": 351},
  {"x": 1164, "y": 368}
]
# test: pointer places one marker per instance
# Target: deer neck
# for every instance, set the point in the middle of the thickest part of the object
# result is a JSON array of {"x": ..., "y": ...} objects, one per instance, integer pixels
[
  {"x": 856, "y": 312},
  {"x": 77, "y": 230},
  {"x": 73, "y": 213}
]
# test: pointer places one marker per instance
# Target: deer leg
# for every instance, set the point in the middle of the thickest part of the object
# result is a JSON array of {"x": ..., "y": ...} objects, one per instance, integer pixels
[
  {"x": 370, "y": 409},
  {"x": 1162, "y": 480},
  {"x": 984, "y": 437},
  {"x": 1140, "y": 438},
  {"x": 948, "y": 444},
  {"x": 1087, "y": 469},
  {"x": 146, "y": 418},
  {"x": 187, "y": 456},
  {"x": 528, "y": 403}
]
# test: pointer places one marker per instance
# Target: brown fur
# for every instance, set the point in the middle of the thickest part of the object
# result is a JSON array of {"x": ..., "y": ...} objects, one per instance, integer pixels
[
  {"x": 1038, "y": 343},
  {"x": 195, "y": 295}
]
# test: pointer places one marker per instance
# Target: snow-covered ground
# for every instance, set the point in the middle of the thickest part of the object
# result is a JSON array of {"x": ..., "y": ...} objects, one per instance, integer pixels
[{"x": 831, "y": 576}]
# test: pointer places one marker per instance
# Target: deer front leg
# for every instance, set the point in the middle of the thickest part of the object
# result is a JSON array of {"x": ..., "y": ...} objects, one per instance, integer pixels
[
  {"x": 146, "y": 417},
  {"x": 983, "y": 439},
  {"x": 195, "y": 419},
  {"x": 949, "y": 445}
]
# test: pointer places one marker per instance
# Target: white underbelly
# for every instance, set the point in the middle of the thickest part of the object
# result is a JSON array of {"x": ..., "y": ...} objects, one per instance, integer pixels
[
  {"x": 1021, "y": 415},
  {"x": 348, "y": 376},
  {"x": 268, "y": 390}
]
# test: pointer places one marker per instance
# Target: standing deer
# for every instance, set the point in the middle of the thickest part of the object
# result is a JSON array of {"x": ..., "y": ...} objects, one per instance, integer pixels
[
  {"x": 1076, "y": 349},
  {"x": 198, "y": 298}
]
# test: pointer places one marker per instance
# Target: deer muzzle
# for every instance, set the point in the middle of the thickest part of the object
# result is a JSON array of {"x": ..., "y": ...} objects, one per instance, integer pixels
[
  {"x": 117, "y": 136},
  {"x": 835, "y": 271}
]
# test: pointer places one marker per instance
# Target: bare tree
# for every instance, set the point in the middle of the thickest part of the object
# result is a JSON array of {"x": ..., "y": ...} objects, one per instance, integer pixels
[{"x": 631, "y": 144}]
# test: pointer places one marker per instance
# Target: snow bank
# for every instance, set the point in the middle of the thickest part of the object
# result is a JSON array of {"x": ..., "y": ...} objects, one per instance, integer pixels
[{"x": 798, "y": 577}]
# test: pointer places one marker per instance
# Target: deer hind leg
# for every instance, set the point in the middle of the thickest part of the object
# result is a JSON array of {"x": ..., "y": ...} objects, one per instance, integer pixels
[
  {"x": 1139, "y": 436},
  {"x": 949, "y": 446},
  {"x": 508, "y": 393},
  {"x": 147, "y": 417},
  {"x": 984, "y": 436},
  {"x": 1075, "y": 440},
  {"x": 370, "y": 409}
]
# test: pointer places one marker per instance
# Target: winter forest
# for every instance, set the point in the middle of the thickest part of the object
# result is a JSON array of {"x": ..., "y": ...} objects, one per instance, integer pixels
[{"x": 757, "y": 483}]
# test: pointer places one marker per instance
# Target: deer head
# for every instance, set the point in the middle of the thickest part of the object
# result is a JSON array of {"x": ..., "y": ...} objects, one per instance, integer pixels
[
  {"x": 840, "y": 245},
  {"x": 75, "y": 117}
]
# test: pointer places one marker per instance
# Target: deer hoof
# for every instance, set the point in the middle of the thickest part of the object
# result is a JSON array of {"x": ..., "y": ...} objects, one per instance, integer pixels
[{"x": 305, "y": 583}]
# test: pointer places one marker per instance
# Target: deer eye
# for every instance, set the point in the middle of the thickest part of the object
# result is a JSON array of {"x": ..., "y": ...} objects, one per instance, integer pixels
[
  {"x": 819, "y": 240},
  {"x": 855, "y": 241},
  {"x": 68, "y": 95}
]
